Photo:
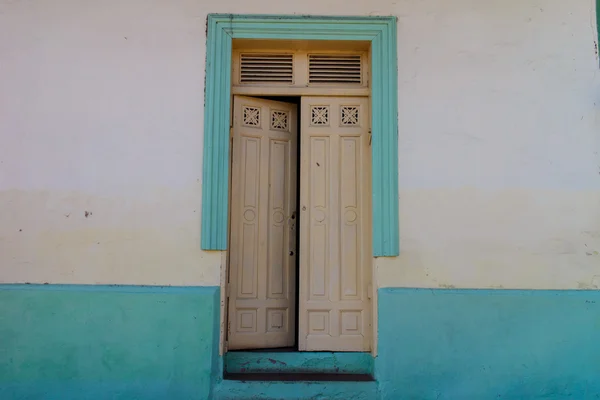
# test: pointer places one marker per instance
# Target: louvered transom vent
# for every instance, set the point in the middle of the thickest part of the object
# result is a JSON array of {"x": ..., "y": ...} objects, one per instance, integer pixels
[
  {"x": 335, "y": 68},
  {"x": 267, "y": 68}
]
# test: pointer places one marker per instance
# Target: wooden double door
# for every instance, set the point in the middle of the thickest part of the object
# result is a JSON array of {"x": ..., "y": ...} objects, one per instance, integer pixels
[{"x": 300, "y": 238}]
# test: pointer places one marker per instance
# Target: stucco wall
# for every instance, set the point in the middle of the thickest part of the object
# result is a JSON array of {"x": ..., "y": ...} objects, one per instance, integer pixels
[
  {"x": 107, "y": 342},
  {"x": 101, "y": 111}
]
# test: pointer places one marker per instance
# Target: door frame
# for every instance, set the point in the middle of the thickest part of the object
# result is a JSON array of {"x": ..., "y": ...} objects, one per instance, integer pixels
[
  {"x": 221, "y": 30},
  {"x": 381, "y": 32}
]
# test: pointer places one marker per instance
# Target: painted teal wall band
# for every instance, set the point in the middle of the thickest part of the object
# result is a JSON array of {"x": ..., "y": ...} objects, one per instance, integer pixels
[
  {"x": 74, "y": 342},
  {"x": 488, "y": 344},
  {"x": 381, "y": 31}
]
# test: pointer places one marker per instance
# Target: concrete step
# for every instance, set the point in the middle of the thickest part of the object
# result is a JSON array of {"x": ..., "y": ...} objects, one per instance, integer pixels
[
  {"x": 294, "y": 390},
  {"x": 245, "y": 362}
]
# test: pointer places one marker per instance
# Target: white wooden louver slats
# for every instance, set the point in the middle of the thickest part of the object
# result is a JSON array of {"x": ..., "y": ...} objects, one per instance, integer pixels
[
  {"x": 335, "y": 68},
  {"x": 266, "y": 68}
]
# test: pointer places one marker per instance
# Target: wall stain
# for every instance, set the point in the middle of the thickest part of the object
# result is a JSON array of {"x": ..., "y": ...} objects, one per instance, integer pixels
[
  {"x": 446, "y": 286},
  {"x": 585, "y": 285}
]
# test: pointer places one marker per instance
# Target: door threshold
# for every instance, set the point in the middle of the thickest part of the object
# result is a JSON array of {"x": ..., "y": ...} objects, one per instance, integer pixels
[
  {"x": 298, "y": 377},
  {"x": 298, "y": 362},
  {"x": 274, "y": 350}
]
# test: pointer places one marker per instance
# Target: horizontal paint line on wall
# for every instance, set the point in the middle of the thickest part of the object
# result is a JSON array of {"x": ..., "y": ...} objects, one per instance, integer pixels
[
  {"x": 212, "y": 289},
  {"x": 247, "y": 362},
  {"x": 493, "y": 292},
  {"x": 109, "y": 288}
]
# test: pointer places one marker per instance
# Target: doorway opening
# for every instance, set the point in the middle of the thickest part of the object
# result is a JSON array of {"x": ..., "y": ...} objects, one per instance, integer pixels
[{"x": 299, "y": 273}]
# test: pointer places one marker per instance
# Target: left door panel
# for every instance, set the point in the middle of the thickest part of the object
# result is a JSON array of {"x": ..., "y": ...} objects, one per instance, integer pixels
[{"x": 262, "y": 269}]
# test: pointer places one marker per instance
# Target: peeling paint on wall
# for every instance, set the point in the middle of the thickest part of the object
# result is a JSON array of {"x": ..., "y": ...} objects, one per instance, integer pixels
[{"x": 597, "y": 25}]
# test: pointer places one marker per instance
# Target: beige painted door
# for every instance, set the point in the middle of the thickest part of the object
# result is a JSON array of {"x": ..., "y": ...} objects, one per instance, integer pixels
[
  {"x": 262, "y": 273},
  {"x": 335, "y": 225}
]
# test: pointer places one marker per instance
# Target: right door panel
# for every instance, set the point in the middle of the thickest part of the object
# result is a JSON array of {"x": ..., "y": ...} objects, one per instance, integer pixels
[{"x": 335, "y": 225}]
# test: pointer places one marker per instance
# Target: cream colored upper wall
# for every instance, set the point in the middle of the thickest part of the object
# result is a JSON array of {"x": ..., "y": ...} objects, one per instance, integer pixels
[
  {"x": 499, "y": 121},
  {"x": 101, "y": 110}
]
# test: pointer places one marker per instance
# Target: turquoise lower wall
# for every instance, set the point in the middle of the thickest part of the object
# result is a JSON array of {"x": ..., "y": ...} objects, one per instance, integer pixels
[
  {"x": 103, "y": 342},
  {"x": 488, "y": 344},
  {"x": 116, "y": 342}
]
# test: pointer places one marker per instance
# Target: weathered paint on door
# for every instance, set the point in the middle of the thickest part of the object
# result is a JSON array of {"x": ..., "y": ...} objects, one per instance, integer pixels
[
  {"x": 335, "y": 225},
  {"x": 262, "y": 290}
]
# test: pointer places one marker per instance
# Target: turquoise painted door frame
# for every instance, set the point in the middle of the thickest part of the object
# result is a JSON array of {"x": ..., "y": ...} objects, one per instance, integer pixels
[{"x": 381, "y": 32}]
